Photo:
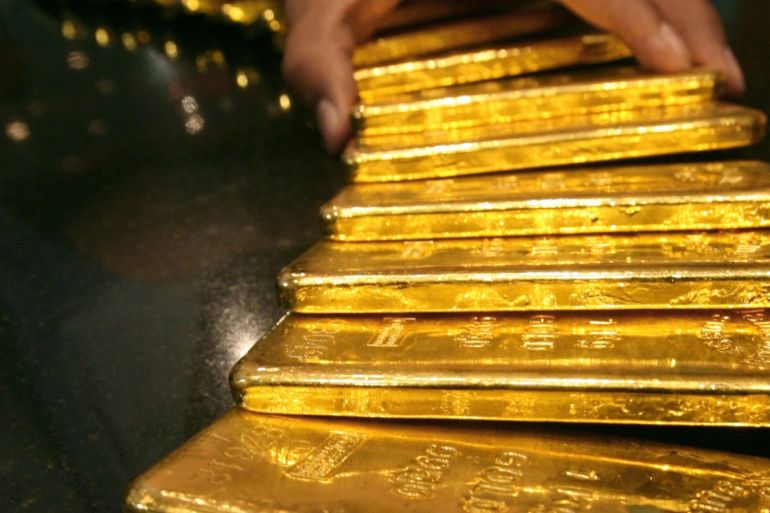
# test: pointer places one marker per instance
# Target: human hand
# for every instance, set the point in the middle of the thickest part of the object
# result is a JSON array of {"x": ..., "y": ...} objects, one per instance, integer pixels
[{"x": 665, "y": 35}]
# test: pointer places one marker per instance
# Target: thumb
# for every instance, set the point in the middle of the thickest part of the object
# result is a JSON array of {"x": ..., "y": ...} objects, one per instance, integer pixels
[{"x": 317, "y": 65}]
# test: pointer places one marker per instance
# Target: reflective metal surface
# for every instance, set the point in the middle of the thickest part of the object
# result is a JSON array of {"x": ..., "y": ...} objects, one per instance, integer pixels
[
  {"x": 139, "y": 245},
  {"x": 701, "y": 368},
  {"x": 537, "y": 144},
  {"x": 639, "y": 271},
  {"x": 579, "y": 93},
  {"x": 527, "y": 19},
  {"x": 377, "y": 82},
  {"x": 667, "y": 197},
  {"x": 254, "y": 463}
]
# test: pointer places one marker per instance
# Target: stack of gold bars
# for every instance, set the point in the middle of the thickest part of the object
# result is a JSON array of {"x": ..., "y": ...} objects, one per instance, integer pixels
[{"x": 466, "y": 275}]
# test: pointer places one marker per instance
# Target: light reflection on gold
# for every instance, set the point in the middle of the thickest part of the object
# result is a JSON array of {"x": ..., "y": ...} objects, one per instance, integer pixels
[
  {"x": 242, "y": 79},
  {"x": 234, "y": 12},
  {"x": 275, "y": 25},
  {"x": 284, "y": 101},
  {"x": 670, "y": 197},
  {"x": 171, "y": 49},
  {"x": 129, "y": 41},
  {"x": 247, "y": 462},
  {"x": 608, "y": 367},
  {"x": 648, "y": 271},
  {"x": 595, "y": 92},
  {"x": 378, "y": 82},
  {"x": 191, "y": 5},
  {"x": 68, "y": 29},
  {"x": 555, "y": 141},
  {"x": 466, "y": 32},
  {"x": 17, "y": 131},
  {"x": 102, "y": 36}
]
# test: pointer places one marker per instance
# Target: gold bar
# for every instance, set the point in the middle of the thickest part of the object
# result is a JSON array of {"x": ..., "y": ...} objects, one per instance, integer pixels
[
  {"x": 379, "y": 82},
  {"x": 641, "y": 271},
  {"x": 672, "y": 368},
  {"x": 555, "y": 142},
  {"x": 461, "y": 33},
  {"x": 248, "y": 463},
  {"x": 584, "y": 93},
  {"x": 672, "y": 197}
]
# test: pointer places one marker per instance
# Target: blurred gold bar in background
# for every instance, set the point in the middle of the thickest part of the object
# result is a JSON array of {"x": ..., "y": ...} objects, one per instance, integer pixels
[
  {"x": 451, "y": 35},
  {"x": 643, "y": 271},
  {"x": 409, "y": 13},
  {"x": 375, "y": 83},
  {"x": 499, "y": 102},
  {"x": 251, "y": 463},
  {"x": 554, "y": 142},
  {"x": 689, "y": 368},
  {"x": 668, "y": 197}
]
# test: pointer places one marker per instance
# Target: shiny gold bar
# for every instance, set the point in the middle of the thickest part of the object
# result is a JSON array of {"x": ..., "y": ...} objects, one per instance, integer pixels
[
  {"x": 672, "y": 368},
  {"x": 671, "y": 197},
  {"x": 641, "y": 271},
  {"x": 554, "y": 142},
  {"x": 379, "y": 82},
  {"x": 248, "y": 463},
  {"x": 585, "y": 93},
  {"x": 461, "y": 33}
]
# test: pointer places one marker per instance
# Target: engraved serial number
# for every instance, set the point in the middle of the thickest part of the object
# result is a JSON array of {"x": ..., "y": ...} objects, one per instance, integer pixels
[
  {"x": 327, "y": 456},
  {"x": 313, "y": 345},
  {"x": 418, "y": 480},
  {"x": 393, "y": 332},
  {"x": 759, "y": 319},
  {"x": 495, "y": 487},
  {"x": 479, "y": 333},
  {"x": 541, "y": 333}
]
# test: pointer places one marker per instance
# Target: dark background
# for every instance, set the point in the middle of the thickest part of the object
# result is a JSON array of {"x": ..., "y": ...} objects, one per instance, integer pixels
[{"x": 146, "y": 205}]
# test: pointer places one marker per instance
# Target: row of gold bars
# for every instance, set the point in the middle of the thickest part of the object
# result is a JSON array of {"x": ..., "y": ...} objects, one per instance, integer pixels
[{"x": 466, "y": 275}]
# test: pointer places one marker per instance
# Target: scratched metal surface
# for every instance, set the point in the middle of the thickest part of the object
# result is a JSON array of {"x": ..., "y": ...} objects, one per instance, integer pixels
[{"x": 146, "y": 205}]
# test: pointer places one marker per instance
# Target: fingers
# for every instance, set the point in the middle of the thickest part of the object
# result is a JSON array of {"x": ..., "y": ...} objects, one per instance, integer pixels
[
  {"x": 317, "y": 64},
  {"x": 666, "y": 35},
  {"x": 640, "y": 24},
  {"x": 700, "y": 27},
  {"x": 317, "y": 60}
]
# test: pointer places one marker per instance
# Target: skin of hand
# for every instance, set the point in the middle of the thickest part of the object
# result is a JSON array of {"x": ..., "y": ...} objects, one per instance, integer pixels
[{"x": 665, "y": 35}]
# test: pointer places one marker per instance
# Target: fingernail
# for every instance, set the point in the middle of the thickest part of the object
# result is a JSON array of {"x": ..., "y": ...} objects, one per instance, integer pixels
[
  {"x": 735, "y": 80},
  {"x": 328, "y": 121},
  {"x": 673, "y": 45}
]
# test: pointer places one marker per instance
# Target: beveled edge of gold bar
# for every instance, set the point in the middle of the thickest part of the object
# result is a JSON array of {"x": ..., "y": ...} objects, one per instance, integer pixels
[
  {"x": 463, "y": 277},
  {"x": 247, "y": 373},
  {"x": 336, "y": 208},
  {"x": 471, "y": 94},
  {"x": 745, "y": 124},
  {"x": 562, "y": 407}
]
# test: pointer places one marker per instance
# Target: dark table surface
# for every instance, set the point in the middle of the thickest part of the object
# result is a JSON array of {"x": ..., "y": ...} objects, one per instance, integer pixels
[{"x": 147, "y": 201}]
